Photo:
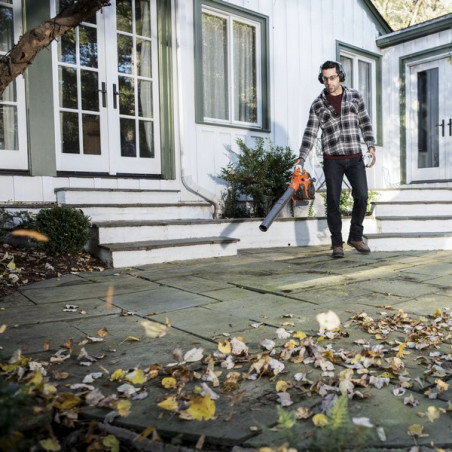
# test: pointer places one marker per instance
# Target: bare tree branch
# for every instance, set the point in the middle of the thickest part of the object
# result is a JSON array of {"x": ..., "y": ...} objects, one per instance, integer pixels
[{"x": 17, "y": 60}]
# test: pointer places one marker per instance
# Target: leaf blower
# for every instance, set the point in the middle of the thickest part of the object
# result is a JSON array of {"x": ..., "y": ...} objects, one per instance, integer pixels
[{"x": 301, "y": 189}]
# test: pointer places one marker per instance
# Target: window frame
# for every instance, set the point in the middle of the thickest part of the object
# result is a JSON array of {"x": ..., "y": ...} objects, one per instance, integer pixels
[
  {"x": 245, "y": 16},
  {"x": 375, "y": 60},
  {"x": 19, "y": 157}
]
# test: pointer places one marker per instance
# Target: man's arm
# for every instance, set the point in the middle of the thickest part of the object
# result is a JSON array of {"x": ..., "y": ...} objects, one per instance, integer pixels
[{"x": 310, "y": 134}]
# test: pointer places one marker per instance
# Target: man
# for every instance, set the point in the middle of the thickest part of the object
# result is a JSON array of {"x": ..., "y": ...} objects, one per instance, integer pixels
[{"x": 341, "y": 114}]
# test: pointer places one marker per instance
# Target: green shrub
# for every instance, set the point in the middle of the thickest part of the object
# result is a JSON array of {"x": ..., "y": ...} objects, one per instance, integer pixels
[
  {"x": 66, "y": 228},
  {"x": 260, "y": 175},
  {"x": 346, "y": 204}
]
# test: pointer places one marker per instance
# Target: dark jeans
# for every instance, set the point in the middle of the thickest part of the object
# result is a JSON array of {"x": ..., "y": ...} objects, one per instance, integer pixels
[{"x": 355, "y": 171}]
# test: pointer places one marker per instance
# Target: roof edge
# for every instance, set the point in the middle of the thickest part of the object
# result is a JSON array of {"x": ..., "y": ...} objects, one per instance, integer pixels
[
  {"x": 415, "y": 31},
  {"x": 385, "y": 28}
]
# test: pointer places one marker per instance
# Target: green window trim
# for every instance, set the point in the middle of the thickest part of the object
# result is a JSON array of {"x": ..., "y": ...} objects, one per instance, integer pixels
[
  {"x": 167, "y": 140},
  {"x": 403, "y": 63},
  {"x": 343, "y": 47},
  {"x": 264, "y": 61}
]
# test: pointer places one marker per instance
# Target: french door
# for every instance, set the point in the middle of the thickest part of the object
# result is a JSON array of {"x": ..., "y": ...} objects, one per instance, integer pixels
[
  {"x": 107, "y": 92},
  {"x": 13, "y": 132},
  {"x": 429, "y": 128}
]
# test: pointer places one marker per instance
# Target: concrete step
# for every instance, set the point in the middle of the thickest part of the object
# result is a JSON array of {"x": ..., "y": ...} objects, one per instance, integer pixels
[
  {"x": 171, "y": 211},
  {"x": 415, "y": 194},
  {"x": 102, "y": 196},
  {"x": 412, "y": 208},
  {"x": 410, "y": 224},
  {"x": 118, "y": 255},
  {"x": 414, "y": 241}
]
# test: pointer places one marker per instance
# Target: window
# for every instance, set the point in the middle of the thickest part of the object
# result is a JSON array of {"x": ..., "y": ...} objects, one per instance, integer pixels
[
  {"x": 363, "y": 71},
  {"x": 231, "y": 66},
  {"x": 13, "y": 151}
]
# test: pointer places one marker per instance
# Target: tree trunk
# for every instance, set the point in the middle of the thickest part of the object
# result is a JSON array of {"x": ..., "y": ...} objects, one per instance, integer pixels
[{"x": 22, "y": 54}]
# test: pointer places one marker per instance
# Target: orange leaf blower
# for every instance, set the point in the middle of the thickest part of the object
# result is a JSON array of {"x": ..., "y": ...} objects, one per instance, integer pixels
[{"x": 301, "y": 189}]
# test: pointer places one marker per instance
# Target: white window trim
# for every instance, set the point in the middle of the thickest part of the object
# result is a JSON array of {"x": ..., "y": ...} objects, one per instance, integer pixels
[{"x": 356, "y": 58}]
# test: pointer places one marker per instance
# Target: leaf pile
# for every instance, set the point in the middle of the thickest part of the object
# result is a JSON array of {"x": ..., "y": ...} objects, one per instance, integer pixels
[{"x": 304, "y": 368}]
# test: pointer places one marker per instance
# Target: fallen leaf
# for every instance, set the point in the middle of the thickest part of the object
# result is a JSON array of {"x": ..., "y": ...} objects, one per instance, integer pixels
[
  {"x": 154, "y": 329},
  {"x": 225, "y": 347},
  {"x": 123, "y": 407},
  {"x": 328, "y": 321},
  {"x": 284, "y": 399},
  {"x": 416, "y": 430},
  {"x": 193, "y": 355},
  {"x": 170, "y": 404},
  {"x": 169, "y": 383},
  {"x": 50, "y": 444},
  {"x": 282, "y": 386},
  {"x": 362, "y": 422},
  {"x": 320, "y": 420},
  {"x": 201, "y": 408}
]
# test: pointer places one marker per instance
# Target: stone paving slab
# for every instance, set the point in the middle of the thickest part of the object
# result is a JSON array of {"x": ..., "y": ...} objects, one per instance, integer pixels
[
  {"x": 58, "y": 311},
  {"x": 159, "y": 300},
  {"x": 193, "y": 284},
  {"x": 124, "y": 284},
  {"x": 34, "y": 338}
]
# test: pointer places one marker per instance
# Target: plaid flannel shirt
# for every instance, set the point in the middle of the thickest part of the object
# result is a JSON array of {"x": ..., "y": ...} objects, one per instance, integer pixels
[{"x": 340, "y": 133}]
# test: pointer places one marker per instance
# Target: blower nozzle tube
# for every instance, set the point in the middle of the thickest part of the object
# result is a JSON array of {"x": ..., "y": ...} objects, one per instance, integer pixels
[{"x": 268, "y": 220}]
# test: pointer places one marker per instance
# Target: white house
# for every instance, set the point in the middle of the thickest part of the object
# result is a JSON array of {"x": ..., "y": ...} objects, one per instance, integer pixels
[{"x": 132, "y": 116}]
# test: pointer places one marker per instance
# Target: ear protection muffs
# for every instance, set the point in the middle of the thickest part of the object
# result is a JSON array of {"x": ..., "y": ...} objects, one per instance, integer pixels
[{"x": 328, "y": 65}]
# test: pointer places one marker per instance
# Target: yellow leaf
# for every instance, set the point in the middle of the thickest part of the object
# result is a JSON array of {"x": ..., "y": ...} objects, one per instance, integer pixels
[
  {"x": 66, "y": 401},
  {"x": 118, "y": 375},
  {"x": 224, "y": 347},
  {"x": 2, "y": 328},
  {"x": 32, "y": 234},
  {"x": 300, "y": 335},
  {"x": 290, "y": 345},
  {"x": 438, "y": 313},
  {"x": 401, "y": 348},
  {"x": 37, "y": 380},
  {"x": 50, "y": 444},
  {"x": 282, "y": 386},
  {"x": 11, "y": 265},
  {"x": 133, "y": 339},
  {"x": 169, "y": 383},
  {"x": 112, "y": 443},
  {"x": 201, "y": 407},
  {"x": 320, "y": 420},
  {"x": 433, "y": 413},
  {"x": 145, "y": 433},
  {"x": 170, "y": 404},
  {"x": 136, "y": 377},
  {"x": 416, "y": 430},
  {"x": 123, "y": 407}
]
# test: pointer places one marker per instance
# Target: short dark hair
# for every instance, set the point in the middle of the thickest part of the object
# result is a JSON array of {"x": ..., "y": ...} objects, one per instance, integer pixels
[{"x": 332, "y": 65}]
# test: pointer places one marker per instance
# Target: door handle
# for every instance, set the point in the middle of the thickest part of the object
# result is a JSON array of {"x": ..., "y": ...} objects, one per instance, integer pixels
[
  {"x": 104, "y": 94},
  {"x": 116, "y": 94},
  {"x": 450, "y": 127},
  {"x": 442, "y": 125}
]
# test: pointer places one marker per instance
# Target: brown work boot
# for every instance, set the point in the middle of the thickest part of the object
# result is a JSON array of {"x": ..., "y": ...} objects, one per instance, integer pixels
[
  {"x": 338, "y": 251},
  {"x": 359, "y": 245}
]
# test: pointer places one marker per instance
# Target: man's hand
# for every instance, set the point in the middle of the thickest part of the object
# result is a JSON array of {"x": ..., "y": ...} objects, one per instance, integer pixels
[
  {"x": 300, "y": 162},
  {"x": 370, "y": 158}
]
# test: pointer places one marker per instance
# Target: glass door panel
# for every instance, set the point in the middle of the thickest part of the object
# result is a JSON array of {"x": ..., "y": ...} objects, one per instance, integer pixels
[
  {"x": 13, "y": 145},
  {"x": 429, "y": 145},
  {"x": 108, "y": 92}
]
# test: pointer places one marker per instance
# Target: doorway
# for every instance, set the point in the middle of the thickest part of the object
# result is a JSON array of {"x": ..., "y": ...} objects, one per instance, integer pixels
[
  {"x": 106, "y": 92},
  {"x": 429, "y": 125}
]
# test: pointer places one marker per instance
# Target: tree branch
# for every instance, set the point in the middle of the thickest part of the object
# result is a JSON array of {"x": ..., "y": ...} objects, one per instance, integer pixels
[{"x": 17, "y": 60}]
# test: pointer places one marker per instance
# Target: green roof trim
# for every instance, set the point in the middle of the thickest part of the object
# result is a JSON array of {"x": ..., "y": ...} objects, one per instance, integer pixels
[{"x": 416, "y": 31}]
